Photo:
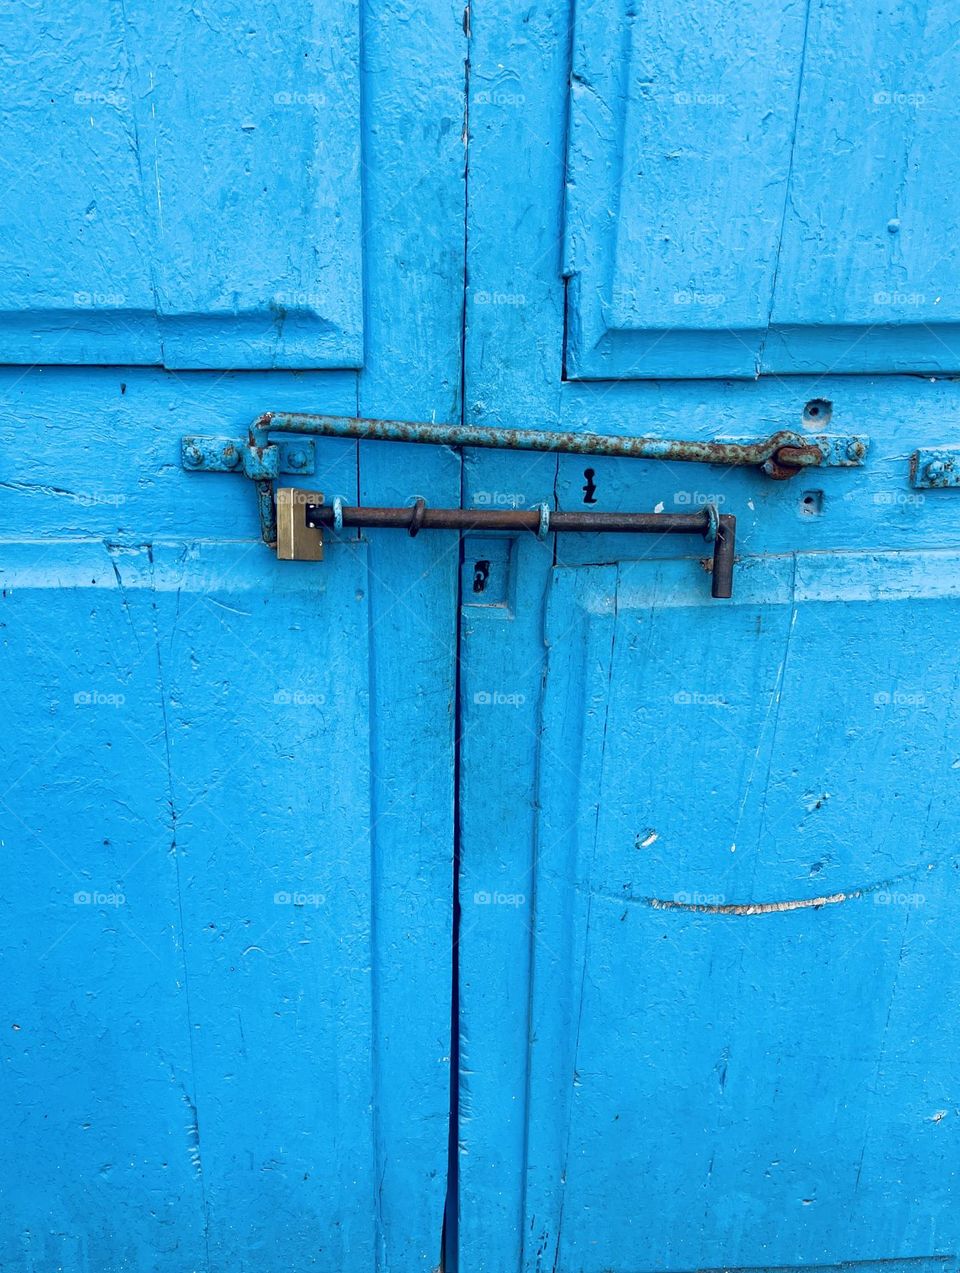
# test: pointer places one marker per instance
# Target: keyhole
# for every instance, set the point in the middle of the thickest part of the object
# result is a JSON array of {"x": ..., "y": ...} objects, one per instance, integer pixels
[
  {"x": 590, "y": 487},
  {"x": 481, "y": 573}
]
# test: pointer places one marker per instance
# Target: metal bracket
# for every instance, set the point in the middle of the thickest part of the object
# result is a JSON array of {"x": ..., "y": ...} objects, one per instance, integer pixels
[
  {"x": 232, "y": 455},
  {"x": 834, "y": 451},
  {"x": 935, "y": 469},
  {"x": 846, "y": 452}
]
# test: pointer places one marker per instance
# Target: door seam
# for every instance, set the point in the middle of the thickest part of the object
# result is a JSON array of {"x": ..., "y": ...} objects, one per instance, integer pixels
[{"x": 449, "y": 1239}]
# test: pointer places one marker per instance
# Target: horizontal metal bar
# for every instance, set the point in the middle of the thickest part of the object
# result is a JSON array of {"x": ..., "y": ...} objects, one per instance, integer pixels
[
  {"x": 418, "y": 517},
  {"x": 511, "y": 519},
  {"x": 781, "y": 454}
]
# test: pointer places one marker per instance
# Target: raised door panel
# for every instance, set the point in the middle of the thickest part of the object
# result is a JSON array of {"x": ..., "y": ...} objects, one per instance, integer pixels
[
  {"x": 754, "y": 190},
  {"x": 182, "y": 188}
]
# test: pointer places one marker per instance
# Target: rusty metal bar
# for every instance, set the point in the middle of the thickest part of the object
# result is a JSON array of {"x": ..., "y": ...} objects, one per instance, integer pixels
[
  {"x": 781, "y": 454},
  {"x": 721, "y": 528}
]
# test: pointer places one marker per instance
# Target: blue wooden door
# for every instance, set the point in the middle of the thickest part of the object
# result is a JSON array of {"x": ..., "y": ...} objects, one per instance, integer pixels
[
  {"x": 227, "y": 798},
  {"x": 708, "y": 889}
]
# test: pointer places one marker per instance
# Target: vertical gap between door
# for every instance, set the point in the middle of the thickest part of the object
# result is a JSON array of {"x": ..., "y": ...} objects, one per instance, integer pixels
[
  {"x": 448, "y": 1262},
  {"x": 449, "y": 1240}
]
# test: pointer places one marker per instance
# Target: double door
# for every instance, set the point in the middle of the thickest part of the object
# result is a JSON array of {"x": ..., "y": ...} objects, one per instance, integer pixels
[{"x": 503, "y": 895}]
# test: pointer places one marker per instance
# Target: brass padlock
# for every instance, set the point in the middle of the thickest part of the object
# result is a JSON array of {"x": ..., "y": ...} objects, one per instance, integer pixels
[{"x": 296, "y": 541}]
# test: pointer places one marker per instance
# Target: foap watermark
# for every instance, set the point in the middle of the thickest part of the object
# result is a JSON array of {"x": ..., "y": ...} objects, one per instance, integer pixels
[
  {"x": 691, "y": 296},
  {"x": 698, "y": 498},
  {"x": 94, "y": 897},
  {"x": 497, "y": 698},
  {"x": 98, "y": 698},
  {"x": 498, "y": 97},
  {"x": 498, "y": 499},
  {"x": 296, "y": 97},
  {"x": 493, "y": 897},
  {"x": 99, "y": 300},
  {"x": 90, "y": 499},
  {"x": 690, "y": 97},
  {"x": 694, "y": 698},
  {"x": 905, "y": 498},
  {"x": 297, "y": 897},
  {"x": 887, "y": 897},
  {"x": 699, "y": 899},
  {"x": 297, "y": 300},
  {"x": 889, "y": 97},
  {"x": 515, "y": 299},
  {"x": 99, "y": 97},
  {"x": 299, "y": 698},
  {"x": 901, "y": 300},
  {"x": 899, "y": 698}
]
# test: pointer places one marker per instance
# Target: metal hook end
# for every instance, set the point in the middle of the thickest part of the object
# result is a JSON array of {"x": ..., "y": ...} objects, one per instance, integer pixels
[{"x": 723, "y": 550}]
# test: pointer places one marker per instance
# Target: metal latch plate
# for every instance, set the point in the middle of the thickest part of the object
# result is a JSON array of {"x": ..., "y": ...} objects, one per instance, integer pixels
[
  {"x": 935, "y": 468},
  {"x": 225, "y": 455}
]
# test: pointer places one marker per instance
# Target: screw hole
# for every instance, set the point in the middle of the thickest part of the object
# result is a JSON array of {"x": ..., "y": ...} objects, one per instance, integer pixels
[{"x": 817, "y": 411}]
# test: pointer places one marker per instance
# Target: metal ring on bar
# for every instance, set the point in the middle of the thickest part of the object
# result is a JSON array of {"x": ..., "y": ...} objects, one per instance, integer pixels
[
  {"x": 712, "y": 527},
  {"x": 338, "y": 514},
  {"x": 417, "y": 516},
  {"x": 543, "y": 530}
]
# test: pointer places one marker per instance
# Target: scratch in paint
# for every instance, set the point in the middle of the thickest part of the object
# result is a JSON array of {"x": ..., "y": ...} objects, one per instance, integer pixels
[
  {"x": 772, "y": 711},
  {"x": 750, "y": 908},
  {"x": 156, "y": 158},
  {"x": 767, "y": 908}
]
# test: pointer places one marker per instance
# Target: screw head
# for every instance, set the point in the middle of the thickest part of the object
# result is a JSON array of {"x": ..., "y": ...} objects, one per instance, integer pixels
[
  {"x": 856, "y": 450},
  {"x": 193, "y": 456},
  {"x": 935, "y": 469},
  {"x": 297, "y": 459}
]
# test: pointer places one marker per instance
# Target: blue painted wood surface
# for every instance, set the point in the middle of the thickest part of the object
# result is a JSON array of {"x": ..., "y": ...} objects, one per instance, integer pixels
[
  {"x": 755, "y": 189},
  {"x": 205, "y": 1075},
  {"x": 647, "y": 1086},
  {"x": 707, "y": 851},
  {"x": 183, "y": 190}
]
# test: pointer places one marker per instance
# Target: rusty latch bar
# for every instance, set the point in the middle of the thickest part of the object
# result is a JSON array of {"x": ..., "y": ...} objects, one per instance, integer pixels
[
  {"x": 780, "y": 455},
  {"x": 719, "y": 528}
]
